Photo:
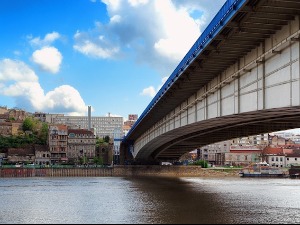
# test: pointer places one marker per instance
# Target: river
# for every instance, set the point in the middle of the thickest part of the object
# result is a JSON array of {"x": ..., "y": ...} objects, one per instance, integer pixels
[{"x": 149, "y": 200}]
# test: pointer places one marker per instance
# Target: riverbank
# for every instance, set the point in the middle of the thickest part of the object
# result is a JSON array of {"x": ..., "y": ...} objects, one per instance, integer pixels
[{"x": 120, "y": 171}]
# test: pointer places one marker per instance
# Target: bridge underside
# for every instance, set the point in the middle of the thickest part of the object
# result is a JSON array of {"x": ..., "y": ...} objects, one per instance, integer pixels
[
  {"x": 172, "y": 145},
  {"x": 245, "y": 81}
]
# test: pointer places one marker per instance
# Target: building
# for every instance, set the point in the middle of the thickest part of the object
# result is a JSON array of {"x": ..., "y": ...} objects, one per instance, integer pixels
[
  {"x": 24, "y": 155},
  {"x": 17, "y": 114},
  {"x": 58, "y": 143},
  {"x": 261, "y": 139},
  {"x": 103, "y": 126},
  {"x": 42, "y": 155},
  {"x": 10, "y": 128},
  {"x": 292, "y": 159},
  {"x": 132, "y": 118},
  {"x": 213, "y": 153},
  {"x": 4, "y": 117},
  {"x": 81, "y": 145},
  {"x": 46, "y": 117},
  {"x": 105, "y": 151},
  {"x": 3, "y": 110},
  {"x": 242, "y": 155}
]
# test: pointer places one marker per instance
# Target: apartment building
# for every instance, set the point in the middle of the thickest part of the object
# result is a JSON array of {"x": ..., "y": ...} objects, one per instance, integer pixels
[
  {"x": 10, "y": 128},
  {"x": 103, "y": 126},
  {"x": 58, "y": 143},
  {"x": 81, "y": 144}
]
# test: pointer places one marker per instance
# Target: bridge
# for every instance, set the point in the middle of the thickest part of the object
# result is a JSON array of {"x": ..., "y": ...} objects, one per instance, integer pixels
[{"x": 240, "y": 78}]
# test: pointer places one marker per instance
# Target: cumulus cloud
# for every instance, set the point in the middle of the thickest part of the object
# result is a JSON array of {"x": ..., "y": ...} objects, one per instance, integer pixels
[
  {"x": 46, "y": 41},
  {"x": 152, "y": 91},
  {"x": 48, "y": 59},
  {"x": 19, "y": 81},
  {"x": 100, "y": 48},
  {"x": 158, "y": 32}
]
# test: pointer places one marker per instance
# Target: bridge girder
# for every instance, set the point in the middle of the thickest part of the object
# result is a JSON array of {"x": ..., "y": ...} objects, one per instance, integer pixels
[{"x": 253, "y": 23}]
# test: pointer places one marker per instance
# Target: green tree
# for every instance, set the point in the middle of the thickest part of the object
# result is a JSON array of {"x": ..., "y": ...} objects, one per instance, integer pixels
[
  {"x": 43, "y": 135},
  {"x": 201, "y": 163},
  {"x": 98, "y": 160},
  {"x": 99, "y": 141},
  {"x": 28, "y": 124},
  {"x": 106, "y": 139}
]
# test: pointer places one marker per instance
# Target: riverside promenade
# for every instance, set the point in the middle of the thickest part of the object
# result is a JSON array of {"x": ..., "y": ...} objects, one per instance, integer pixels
[{"x": 119, "y": 171}]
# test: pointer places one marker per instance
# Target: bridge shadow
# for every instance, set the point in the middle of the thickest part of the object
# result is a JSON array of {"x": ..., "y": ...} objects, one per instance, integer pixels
[{"x": 176, "y": 201}]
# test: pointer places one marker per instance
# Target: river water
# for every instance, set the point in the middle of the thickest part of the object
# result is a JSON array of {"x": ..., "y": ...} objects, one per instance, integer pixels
[{"x": 149, "y": 200}]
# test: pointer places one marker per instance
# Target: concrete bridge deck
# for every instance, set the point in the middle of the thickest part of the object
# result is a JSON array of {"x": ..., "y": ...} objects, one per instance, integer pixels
[{"x": 240, "y": 78}]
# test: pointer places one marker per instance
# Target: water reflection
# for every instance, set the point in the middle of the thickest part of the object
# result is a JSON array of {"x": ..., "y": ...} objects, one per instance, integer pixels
[
  {"x": 149, "y": 200},
  {"x": 177, "y": 201}
]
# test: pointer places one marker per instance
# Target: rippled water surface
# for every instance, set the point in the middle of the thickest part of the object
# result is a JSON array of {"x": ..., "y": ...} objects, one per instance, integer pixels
[{"x": 149, "y": 200}]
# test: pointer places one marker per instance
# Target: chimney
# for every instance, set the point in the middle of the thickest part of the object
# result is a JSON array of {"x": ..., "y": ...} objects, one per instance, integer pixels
[{"x": 90, "y": 117}]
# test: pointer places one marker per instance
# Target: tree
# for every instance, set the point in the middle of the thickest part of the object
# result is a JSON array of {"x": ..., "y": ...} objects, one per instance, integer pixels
[
  {"x": 98, "y": 160},
  {"x": 28, "y": 124},
  {"x": 43, "y": 134},
  {"x": 201, "y": 163},
  {"x": 106, "y": 139}
]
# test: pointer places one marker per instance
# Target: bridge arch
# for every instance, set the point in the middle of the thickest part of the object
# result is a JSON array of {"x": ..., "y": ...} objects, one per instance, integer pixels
[
  {"x": 240, "y": 78},
  {"x": 173, "y": 144}
]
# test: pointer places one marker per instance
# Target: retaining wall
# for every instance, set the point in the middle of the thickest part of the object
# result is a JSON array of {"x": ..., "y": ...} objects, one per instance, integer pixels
[{"x": 120, "y": 171}]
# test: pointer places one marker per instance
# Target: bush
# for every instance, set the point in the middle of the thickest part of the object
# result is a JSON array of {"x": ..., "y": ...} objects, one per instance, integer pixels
[{"x": 201, "y": 163}]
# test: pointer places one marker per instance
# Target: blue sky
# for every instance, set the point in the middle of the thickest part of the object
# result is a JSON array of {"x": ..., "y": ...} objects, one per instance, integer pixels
[{"x": 59, "y": 56}]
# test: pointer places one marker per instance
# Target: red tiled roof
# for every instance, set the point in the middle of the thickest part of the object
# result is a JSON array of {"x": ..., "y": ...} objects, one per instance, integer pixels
[
  {"x": 62, "y": 127},
  {"x": 246, "y": 151},
  {"x": 273, "y": 151}
]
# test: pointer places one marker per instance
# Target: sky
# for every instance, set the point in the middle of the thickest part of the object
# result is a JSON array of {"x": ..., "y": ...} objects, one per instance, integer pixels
[{"x": 61, "y": 56}]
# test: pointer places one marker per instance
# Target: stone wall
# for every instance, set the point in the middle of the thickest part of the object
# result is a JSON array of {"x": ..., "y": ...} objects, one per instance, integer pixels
[{"x": 121, "y": 171}]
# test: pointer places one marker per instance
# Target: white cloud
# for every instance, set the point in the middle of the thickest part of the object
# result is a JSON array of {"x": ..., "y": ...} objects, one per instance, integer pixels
[
  {"x": 48, "y": 39},
  {"x": 93, "y": 49},
  {"x": 178, "y": 39},
  {"x": 64, "y": 98},
  {"x": 158, "y": 32},
  {"x": 16, "y": 71},
  {"x": 136, "y": 3},
  {"x": 48, "y": 59},
  {"x": 19, "y": 81},
  {"x": 152, "y": 91},
  {"x": 112, "y": 4}
]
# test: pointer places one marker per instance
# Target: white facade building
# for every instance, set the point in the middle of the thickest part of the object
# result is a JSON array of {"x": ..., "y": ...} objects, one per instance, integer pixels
[{"x": 103, "y": 126}]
